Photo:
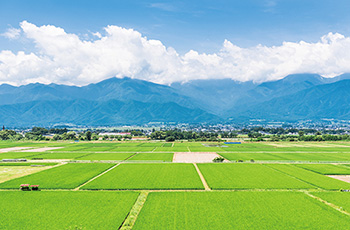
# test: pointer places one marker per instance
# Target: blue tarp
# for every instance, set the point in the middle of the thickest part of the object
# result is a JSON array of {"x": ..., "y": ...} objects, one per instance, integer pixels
[{"x": 230, "y": 143}]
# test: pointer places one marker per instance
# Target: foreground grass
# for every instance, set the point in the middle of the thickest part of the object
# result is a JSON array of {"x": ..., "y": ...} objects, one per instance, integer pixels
[
  {"x": 238, "y": 210},
  {"x": 341, "y": 199},
  {"x": 133, "y": 214},
  {"x": 64, "y": 210}
]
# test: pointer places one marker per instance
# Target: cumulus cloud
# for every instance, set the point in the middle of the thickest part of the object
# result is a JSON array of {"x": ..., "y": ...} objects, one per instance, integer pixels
[
  {"x": 65, "y": 58},
  {"x": 12, "y": 33}
]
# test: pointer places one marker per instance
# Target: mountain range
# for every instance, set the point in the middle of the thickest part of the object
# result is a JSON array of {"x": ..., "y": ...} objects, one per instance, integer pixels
[{"x": 125, "y": 101}]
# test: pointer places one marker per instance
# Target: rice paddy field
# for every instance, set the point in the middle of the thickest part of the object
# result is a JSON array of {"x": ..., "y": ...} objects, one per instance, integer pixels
[
  {"x": 136, "y": 185},
  {"x": 148, "y": 176},
  {"x": 248, "y": 176},
  {"x": 64, "y": 209},
  {"x": 66, "y": 176},
  {"x": 237, "y": 210}
]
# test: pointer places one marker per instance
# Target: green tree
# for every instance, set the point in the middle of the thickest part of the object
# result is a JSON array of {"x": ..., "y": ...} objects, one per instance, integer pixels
[
  {"x": 170, "y": 139},
  {"x": 56, "y": 137},
  {"x": 88, "y": 135},
  {"x": 94, "y": 137}
]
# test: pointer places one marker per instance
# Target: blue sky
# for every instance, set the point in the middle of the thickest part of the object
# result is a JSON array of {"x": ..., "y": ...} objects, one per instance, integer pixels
[
  {"x": 185, "y": 25},
  {"x": 79, "y": 42}
]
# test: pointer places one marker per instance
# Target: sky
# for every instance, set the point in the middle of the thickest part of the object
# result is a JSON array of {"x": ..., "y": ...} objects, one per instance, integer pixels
[{"x": 80, "y": 42}]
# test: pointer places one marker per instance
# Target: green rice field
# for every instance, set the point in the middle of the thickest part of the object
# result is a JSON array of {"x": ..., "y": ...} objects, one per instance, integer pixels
[
  {"x": 307, "y": 176},
  {"x": 59, "y": 155},
  {"x": 340, "y": 199},
  {"x": 237, "y": 210},
  {"x": 327, "y": 169},
  {"x": 245, "y": 176},
  {"x": 64, "y": 209},
  {"x": 148, "y": 176},
  {"x": 141, "y": 185},
  {"x": 66, "y": 176},
  {"x": 106, "y": 156},
  {"x": 164, "y": 157},
  {"x": 17, "y": 155}
]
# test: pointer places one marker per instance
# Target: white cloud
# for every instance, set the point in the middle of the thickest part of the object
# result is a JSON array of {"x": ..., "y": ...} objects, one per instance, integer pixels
[
  {"x": 163, "y": 6},
  {"x": 97, "y": 34},
  {"x": 65, "y": 58},
  {"x": 12, "y": 33}
]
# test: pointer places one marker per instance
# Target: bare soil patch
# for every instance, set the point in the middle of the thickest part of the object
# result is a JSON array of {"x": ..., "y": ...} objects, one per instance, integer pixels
[
  {"x": 325, "y": 145},
  {"x": 345, "y": 178},
  {"x": 194, "y": 157},
  {"x": 49, "y": 161},
  {"x": 279, "y": 145},
  {"x": 41, "y": 149},
  {"x": 308, "y": 145},
  {"x": 5, "y": 150},
  {"x": 11, "y": 172},
  {"x": 340, "y": 146}
]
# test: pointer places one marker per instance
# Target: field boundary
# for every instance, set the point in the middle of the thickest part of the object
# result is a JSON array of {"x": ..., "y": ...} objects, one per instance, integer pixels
[
  {"x": 339, "y": 209},
  {"x": 204, "y": 182},
  {"x": 130, "y": 156},
  {"x": 190, "y": 190},
  {"x": 77, "y": 188},
  {"x": 88, "y": 154},
  {"x": 130, "y": 220},
  {"x": 297, "y": 178}
]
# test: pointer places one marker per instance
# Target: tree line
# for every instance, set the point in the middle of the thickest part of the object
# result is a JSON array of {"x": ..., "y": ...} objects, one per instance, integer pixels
[
  {"x": 176, "y": 134},
  {"x": 41, "y": 134},
  {"x": 254, "y": 133}
]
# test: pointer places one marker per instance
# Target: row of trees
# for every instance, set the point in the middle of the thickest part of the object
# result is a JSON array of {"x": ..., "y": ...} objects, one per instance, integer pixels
[
  {"x": 10, "y": 135},
  {"x": 324, "y": 137},
  {"x": 88, "y": 136},
  {"x": 255, "y": 134},
  {"x": 176, "y": 134},
  {"x": 38, "y": 134},
  {"x": 44, "y": 131},
  {"x": 228, "y": 135},
  {"x": 285, "y": 131}
]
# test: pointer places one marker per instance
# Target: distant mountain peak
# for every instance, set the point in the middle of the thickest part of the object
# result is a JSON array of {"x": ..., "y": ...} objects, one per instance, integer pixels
[{"x": 127, "y": 100}]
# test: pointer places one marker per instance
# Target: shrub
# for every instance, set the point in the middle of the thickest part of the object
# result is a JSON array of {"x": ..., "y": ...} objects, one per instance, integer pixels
[
  {"x": 218, "y": 159},
  {"x": 24, "y": 187},
  {"x": 170, "y": 138},
  {"x": 35, "y": 187}
]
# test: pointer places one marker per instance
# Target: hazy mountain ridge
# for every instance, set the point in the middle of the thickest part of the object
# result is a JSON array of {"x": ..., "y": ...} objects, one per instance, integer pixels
[
  {"x": 111, "y": 89},
  {"x": 321, "y": 101},
  {"x": 127, "y": 101},
  {"x": 111, "y": 112}
]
